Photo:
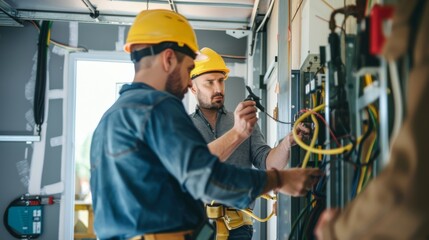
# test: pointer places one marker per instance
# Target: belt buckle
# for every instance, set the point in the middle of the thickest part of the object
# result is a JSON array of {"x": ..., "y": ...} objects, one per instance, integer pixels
[{"x": 227, "y": 218}]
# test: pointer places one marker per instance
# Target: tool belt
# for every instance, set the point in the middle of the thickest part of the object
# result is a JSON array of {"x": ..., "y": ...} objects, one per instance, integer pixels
[
  {"x": 226, "y": 219},
  {"x": 182, "y": 235}
]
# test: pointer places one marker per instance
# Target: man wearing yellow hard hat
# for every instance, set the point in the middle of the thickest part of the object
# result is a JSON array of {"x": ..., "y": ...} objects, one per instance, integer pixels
[
  {"x": 213, "y": 121},
  {"x": 150, "y": 167}
]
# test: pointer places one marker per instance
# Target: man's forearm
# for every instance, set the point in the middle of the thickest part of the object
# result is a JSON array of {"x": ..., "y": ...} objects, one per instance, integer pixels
[
  {"x": 279, "y": 156},
  {"x": 224, "y": 146}
]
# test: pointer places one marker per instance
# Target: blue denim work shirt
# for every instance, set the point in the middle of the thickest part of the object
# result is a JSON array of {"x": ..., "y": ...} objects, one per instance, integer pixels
[{"x": 150, "y": 167}]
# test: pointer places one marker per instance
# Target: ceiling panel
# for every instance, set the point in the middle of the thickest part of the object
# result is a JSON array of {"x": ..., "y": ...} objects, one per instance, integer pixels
[{"x": 203, "y": 14}]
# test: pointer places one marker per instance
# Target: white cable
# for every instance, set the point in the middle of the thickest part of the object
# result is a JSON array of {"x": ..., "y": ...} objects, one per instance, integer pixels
[
  {"x": 397, "y": 98},
  {"x": 270, "y": 8}
]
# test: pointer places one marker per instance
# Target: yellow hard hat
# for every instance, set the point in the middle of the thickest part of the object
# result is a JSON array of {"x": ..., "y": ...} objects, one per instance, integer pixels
[
  {"x": 209, "y": 61},
  {"x": 159, "y": 25}
]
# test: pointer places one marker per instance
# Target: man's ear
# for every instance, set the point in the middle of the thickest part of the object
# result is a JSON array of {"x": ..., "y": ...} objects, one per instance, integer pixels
[
  {"x": 194, "y": 87},
  {"x": 169, "y": 60}
]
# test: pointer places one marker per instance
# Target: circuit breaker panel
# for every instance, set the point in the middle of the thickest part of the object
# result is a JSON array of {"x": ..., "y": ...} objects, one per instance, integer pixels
[{"x": 343, "y": 96}]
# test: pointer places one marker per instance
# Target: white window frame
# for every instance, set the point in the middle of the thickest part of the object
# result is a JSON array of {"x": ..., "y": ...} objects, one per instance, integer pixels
[{"x": 66, "y": 230}]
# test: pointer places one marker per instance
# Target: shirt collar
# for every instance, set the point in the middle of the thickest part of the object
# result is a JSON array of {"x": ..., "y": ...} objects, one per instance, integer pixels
[
  {"x": 198, "y": 110},
  {"x": 134, "y": 85}
]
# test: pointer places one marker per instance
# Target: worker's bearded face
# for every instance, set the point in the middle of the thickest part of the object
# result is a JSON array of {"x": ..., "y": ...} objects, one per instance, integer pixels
[
  {"x": 214, "y": 101},
  {"x": 209, "y": 90}
]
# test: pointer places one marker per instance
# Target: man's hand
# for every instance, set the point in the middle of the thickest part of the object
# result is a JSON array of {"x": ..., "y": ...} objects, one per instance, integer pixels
[
  {"x": 244, "y": 121},
  {"x": 298, "y": 181},
  {"x": 303, "y": 133},
  {"x": 245, "y": 118},
  {"x": 326, "y": 217}
]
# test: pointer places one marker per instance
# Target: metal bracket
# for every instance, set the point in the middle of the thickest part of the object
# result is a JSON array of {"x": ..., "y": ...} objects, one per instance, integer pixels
[
  {"x": 20, "y": 138},
  {"x": 238, "y": 33},
  {"x": 7, "y": 15},
  {"x": 7, "y": 8}
]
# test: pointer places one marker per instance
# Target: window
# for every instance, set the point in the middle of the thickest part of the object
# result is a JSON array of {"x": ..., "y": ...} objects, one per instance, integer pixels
[
  {"x": 97, "y": 87},
  {"x": 94, "y": 81}
]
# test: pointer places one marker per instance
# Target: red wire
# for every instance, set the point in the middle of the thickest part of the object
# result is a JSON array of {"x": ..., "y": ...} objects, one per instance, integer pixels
[{"x": 326, "y": 124}]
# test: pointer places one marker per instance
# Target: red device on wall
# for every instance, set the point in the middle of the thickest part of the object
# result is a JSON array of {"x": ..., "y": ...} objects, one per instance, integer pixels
[{"x": 379, "y": 14}]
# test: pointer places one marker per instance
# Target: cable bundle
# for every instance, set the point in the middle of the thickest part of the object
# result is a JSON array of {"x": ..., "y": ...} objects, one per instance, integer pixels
[{"x": 40, "y": 90}]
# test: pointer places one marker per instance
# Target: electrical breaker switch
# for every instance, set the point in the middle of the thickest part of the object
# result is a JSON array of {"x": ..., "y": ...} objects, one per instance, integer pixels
[
  {"x": 320, "y": 80},
  {"x": 307, "y": 88},
  {"x": 313, "y": 85}
]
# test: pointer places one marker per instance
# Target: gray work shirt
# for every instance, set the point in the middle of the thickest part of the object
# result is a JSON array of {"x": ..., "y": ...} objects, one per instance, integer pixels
[{"x": 253, "y": 151}]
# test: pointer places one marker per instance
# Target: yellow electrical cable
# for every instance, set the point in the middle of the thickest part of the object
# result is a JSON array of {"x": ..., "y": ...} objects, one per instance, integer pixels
[
  {"x": 368, "y": 156},
  {"x": 248, "y": 212},
  {"x": 368, "y": 79},
  {"x": 313, "y": 97},
  {"x": 315, "y": 134},
  {"x": 332, "y": 151},
  {"x": 313, "y": 141},
  {"x": 49, "y": 38},
  {"x": 268, "y": 197},
  {"x": 251, "y": 214}
]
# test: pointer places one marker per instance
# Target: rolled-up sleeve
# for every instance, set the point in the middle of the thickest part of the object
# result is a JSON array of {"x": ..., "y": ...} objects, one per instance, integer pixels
[{"x": 259, "y": 149}]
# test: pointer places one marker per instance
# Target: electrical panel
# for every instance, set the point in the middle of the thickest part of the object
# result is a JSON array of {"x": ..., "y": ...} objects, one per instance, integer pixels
[{"x": 347, "y": 109}]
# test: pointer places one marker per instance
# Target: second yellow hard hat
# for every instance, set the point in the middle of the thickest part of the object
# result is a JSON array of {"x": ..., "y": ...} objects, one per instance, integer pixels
[{"x": 209, "y": 61}]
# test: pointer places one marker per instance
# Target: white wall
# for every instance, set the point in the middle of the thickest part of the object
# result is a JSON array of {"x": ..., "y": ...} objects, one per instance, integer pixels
[
  {"x": 271, "y": 140},
  {"x": 310, "y": 28},
  {"x": 272, "y": 52}
]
